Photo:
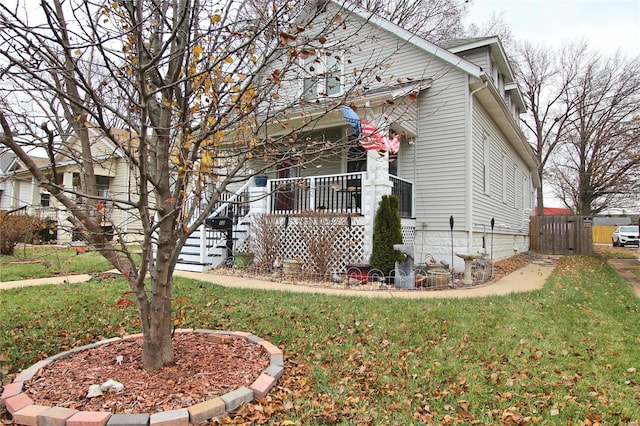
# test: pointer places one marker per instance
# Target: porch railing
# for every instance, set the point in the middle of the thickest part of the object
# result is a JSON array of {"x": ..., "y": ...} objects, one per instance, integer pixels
[
  {"x": 403, "y": 189},
  {"x": 233, "y": 205},
  {"x": 334, "y": 193},
  {"x": 229, "y": 205},
  {"x": 37, "y": 211}
]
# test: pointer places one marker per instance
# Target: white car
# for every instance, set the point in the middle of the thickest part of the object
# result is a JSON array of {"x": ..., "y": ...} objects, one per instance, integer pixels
[{"x": 624, "y": 235}]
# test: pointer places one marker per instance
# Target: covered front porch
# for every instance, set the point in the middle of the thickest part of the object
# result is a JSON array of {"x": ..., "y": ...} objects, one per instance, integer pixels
[
  {"x": 337, "y": 175},
  {"x": 288, "y": 201}
]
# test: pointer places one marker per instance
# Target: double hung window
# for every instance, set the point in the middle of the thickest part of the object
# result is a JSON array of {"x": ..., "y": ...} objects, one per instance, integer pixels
[{"x": 322, "y": 74}]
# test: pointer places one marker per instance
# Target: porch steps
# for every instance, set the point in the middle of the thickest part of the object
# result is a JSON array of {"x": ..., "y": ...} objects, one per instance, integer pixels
[
  {"x": 191, "y": 258},
  {"x": 193, "y": 266}
]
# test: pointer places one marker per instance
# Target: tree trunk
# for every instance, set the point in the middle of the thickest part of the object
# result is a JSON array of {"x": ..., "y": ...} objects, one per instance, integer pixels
[
  {"x": 157, "y": 325},
  {"x": 540, "y": 198},
  {"x": 157, "y": 349}
]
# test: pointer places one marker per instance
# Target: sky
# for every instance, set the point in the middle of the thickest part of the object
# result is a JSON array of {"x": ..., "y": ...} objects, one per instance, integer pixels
[{"x": 606, "y": 24}]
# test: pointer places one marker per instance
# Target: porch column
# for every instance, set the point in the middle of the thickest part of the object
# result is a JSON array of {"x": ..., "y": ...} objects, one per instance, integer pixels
[
  {"x": 64, "y": 226},
  {"x": 261, "y": 203},
  {"x": 34, "y": 202},
  {"x": 374, "y": 187}
]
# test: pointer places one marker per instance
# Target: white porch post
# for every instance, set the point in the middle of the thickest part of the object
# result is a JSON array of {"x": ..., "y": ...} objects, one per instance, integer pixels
[
  {"x": 375, "y": 185},
  {"x": 261, "y": 203},
  {"x": 64, "y": 232},
  {"x": 35, "y": 196}
]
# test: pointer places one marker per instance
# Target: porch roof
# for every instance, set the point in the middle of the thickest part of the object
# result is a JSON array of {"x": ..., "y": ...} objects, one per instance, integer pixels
[{"x": 330, "y": 108}]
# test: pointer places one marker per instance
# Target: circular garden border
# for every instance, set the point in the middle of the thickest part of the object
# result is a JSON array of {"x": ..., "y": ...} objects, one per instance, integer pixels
[{"x": 25, "y": 412}]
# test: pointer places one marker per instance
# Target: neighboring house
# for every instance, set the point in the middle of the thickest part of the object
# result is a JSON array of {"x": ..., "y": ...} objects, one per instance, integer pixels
[
  {"x": 17, "y": 187},
  {"x": 555, "y": 211},
  {"x": 19, "y": 190},
  {"x": 463, "y": 156}
]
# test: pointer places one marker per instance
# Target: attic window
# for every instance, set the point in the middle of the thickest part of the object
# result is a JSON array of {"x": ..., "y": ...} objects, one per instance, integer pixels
[{"x": 322, "y": 74}]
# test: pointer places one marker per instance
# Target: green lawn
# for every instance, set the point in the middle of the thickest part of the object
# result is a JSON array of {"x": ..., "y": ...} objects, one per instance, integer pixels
[
  {"x": 566, "y": 354},
  {"x": 46, "y": 261}
]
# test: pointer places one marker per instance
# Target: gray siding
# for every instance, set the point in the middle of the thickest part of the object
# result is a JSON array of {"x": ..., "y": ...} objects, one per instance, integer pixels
[
  {"x": 481, "y": 57},
  {"x": 509, "y": 208},
  {"x": 436, "y": 161},
  {"x": 373, "y": 56},
  {"x": 440, "y": 147}
]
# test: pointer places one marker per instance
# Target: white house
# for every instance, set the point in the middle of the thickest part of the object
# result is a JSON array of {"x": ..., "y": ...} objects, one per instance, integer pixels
[
  {"x": 463, "y": 155},
  {"x": 20, "y": 192}
]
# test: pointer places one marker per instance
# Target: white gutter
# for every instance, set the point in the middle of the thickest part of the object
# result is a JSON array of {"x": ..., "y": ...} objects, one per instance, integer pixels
[{"x": 469, "y": 169}]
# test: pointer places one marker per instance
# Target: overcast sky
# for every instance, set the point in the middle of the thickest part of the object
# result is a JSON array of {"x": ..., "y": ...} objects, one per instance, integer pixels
[{"x": 606, "y": 24}]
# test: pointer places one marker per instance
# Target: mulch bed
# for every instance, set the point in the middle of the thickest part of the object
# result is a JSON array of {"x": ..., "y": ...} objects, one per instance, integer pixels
[{"x": 203, "y": 370}]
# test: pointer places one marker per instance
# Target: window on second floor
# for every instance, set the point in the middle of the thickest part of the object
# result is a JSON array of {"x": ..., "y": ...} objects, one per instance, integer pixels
[
  {"x": 102, "y": 185},
  {"x": 504, "y": 178},
  {"x": 322, "y": 75},
  {"x": 486, "y": 164},
  {"x": 516, "y": 190},
  {"x": 45, "y": 199}
]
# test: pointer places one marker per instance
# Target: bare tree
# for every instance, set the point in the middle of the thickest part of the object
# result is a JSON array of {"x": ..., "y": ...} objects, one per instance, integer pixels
[
  {"x": 495, "y": 26},
  {"x": 186, "y": 91},
  {"x": 544, "y": 82},
  {"x": 434, "y": 20},
  {"x": 599, "y": 162}
]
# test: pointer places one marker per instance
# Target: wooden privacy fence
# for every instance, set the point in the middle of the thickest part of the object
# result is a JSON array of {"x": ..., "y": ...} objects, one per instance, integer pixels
[
  {"x": 561, "y": 234},
  {"x": 602, "y": 233}
]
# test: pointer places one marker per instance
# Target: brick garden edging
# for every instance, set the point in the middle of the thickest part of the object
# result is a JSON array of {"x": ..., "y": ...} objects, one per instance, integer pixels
[{"x": 25, "y": 412}]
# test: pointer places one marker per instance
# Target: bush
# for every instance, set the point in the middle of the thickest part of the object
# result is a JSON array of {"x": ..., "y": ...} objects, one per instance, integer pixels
[
  {"x": 46, "y": 231},
  {"x": 387, "y": 231},
  {"x": 321, "y": 237},
  {"x": 15, "y": 229},
  {"x": 265, "y": 242}
]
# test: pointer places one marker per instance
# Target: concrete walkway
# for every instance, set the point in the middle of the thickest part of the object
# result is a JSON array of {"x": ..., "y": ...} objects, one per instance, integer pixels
[{"x": 530, "y": 277}]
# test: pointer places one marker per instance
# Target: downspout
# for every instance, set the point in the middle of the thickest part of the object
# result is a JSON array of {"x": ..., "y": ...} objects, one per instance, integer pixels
[
  {"x": 469, "y": 169},
  {"x": 416, "y": 138}
]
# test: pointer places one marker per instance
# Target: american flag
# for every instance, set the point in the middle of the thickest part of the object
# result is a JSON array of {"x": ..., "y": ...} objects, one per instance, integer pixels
[
  {"x": 369, "y": 135},
  {"x": 352, "y": 118}
]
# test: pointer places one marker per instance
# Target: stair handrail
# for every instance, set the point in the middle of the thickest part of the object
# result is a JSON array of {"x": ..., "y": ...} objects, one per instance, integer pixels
[{"x": 227, "y": 203}]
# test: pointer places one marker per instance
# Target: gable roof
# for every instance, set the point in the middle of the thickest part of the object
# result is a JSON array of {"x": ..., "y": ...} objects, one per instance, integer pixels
[
  {"x": 103, "y": 144},
  {"x": 493, "y": 43},
  {"x": 17, "y": 166},
  {"x": 7, "y": 158},
  {"x": 438, "y": 51},
  {"x": 450, "y": 56}
]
